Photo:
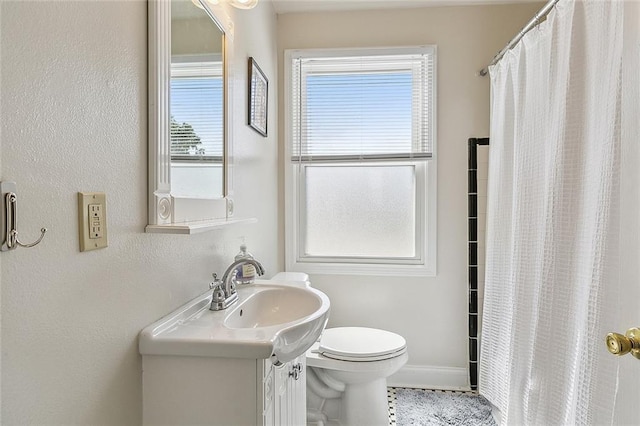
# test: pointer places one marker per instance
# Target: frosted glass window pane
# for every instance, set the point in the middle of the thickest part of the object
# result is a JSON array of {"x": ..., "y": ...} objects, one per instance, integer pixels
[
  {"x": 197, "y": 179},
  {"x": 360, "y": 211}
]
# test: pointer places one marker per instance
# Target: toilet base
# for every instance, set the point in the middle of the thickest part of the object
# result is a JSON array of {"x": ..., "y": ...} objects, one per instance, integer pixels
[{"x": 365, "y": 404}]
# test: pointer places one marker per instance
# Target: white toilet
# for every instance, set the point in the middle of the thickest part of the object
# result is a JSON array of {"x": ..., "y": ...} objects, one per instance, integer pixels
[{"x": 347, "y": 374}]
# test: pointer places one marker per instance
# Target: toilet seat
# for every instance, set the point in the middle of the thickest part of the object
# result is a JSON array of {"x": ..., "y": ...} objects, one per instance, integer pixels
[{"x": 360, "y": 344}]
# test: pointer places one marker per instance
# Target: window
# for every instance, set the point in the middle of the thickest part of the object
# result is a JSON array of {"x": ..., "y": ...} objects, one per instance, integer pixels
[{"x": 360, "y": 178}]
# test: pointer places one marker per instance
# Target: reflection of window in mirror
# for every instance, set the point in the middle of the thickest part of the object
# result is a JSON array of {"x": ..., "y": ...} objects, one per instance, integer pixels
[
  {"x": 196, "y": 103},
  {"x": 197, "y": 132}
]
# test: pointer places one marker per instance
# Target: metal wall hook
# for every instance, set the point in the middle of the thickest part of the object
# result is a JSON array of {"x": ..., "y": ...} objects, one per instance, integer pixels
[
  {"x": 16, "y": 242},
  {"x": 9, "y": 217}
]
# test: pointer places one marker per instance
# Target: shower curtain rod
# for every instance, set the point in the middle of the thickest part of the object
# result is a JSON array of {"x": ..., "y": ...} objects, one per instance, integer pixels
[{"x": 530, "y": 25}]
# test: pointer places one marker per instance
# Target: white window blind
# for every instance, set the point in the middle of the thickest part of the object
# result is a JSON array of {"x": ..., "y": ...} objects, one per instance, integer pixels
[
  {"x": 363, "y": 108},
  {"x": 197, "y": 111}
]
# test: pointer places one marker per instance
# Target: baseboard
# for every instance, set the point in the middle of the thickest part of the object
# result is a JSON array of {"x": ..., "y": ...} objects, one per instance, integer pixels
[{"x": 427, "y": 377}]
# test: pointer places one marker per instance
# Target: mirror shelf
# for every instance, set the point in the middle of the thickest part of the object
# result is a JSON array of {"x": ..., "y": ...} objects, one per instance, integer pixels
[{"x": 199, "y": 227}]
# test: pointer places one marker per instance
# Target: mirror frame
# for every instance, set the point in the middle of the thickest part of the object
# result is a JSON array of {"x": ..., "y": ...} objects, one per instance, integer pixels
[{"x": 169, "y": 214}]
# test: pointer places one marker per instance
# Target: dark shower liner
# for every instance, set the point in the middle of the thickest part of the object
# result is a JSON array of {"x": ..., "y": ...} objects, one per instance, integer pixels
[{"x": 473, "y": 258}]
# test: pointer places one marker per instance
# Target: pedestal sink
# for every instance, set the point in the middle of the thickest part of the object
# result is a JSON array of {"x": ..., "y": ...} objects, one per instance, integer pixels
[{"x": 273, "y": 319}]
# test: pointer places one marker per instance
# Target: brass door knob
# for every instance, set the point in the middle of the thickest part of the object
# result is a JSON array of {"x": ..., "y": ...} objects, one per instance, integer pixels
[{"x": 619, "y": 344}]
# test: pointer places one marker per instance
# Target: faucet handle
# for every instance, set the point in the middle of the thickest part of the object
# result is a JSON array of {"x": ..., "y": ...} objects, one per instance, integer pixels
[
  {"x": 218, "y": 289},
  {"x": 216, "y": 282}
]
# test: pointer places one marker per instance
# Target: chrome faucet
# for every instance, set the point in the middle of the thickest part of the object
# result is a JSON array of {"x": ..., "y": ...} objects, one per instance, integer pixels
[{"x": 224, "y": 290}]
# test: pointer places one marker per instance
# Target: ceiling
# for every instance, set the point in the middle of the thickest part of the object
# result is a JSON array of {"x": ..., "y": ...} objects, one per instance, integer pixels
[{"x": 291, "y": 6}]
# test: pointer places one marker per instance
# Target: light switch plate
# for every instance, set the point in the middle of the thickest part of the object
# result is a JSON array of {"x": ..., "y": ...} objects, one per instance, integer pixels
[{"x": 92, "y": 220}]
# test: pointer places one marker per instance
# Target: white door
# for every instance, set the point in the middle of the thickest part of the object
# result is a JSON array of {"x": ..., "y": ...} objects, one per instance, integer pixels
[{"x": 628, "y": 395}]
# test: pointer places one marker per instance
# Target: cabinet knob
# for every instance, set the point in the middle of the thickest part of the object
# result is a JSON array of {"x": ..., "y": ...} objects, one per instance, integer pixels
[{"x": 619, "y": 344}]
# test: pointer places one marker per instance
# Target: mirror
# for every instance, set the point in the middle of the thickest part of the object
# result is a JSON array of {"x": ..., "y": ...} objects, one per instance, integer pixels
[
  {"x": 189, "y": 129},
  {"x": 196, "y": 106}
]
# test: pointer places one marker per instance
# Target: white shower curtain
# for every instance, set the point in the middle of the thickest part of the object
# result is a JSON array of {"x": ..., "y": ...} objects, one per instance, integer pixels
[{"x": 559, "y": 123}]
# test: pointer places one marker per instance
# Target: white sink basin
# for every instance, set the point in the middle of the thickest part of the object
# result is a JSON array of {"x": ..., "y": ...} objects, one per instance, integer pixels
[
  {"x": 272, "y": 319},
  {"x": 272, "y": 306}
]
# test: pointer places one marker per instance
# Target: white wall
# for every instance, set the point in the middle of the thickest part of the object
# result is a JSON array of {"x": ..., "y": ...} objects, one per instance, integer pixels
[
  {"x": 430, "y": 312},
  {"x": 74, "y": 116}
]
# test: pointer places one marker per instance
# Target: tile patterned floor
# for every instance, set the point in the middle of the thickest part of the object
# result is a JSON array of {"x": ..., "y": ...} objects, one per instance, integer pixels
[{"x": 391, "y": 398}]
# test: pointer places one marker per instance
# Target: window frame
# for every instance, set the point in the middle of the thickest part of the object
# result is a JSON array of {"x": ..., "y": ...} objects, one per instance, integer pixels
[{"x": 424, "y": 263}]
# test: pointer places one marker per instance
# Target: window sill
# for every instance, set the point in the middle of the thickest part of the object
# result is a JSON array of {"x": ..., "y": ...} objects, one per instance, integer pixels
[
  {"x": 361, "y": 269},
  {"x": 197, "y": 227}
]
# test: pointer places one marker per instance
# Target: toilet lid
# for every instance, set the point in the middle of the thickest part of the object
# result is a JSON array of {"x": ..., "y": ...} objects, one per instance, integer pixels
[{"x": 360, "y": 344}]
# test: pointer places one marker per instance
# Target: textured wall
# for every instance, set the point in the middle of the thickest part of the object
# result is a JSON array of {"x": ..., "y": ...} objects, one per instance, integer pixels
[
  {"x": 430, "y": 312},
  {"x": 74, "y": 116}
]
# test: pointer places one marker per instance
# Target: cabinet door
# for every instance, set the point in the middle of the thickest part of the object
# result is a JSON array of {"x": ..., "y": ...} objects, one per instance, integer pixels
[
  {"x": 281, "y": 395},
  {"x": 268, "y": 404},
  {"x": 298, "y": 392},
  {"x": 290, "y": 393}
]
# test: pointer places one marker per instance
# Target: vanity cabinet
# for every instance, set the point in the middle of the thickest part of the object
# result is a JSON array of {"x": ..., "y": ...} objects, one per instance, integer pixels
[{"x": 223, "y": 391}]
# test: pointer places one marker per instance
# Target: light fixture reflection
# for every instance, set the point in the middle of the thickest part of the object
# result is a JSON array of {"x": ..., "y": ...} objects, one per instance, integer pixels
[
  {"x": 243, "y": 4},
  {"x": 239, "y": 4}
]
